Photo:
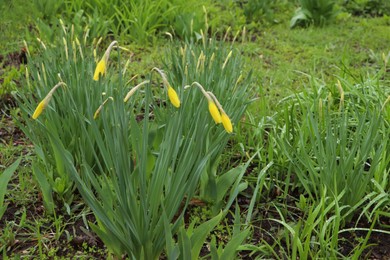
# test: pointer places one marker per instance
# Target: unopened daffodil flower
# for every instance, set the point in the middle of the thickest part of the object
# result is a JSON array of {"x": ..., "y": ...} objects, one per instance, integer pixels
[
  {"x": 214, "y": 112},
  {"x": 133, "y": 90},
  {"x": 227, "y": 124},
  {"x": 213, "y": 109},
  {"x": 45, "y": 102},
  {"x": 172, "y": 95},
  {"x": 41, "y": 106},
  {"x": 101, "y": 67},
  {"x": 97, "y": 112}
]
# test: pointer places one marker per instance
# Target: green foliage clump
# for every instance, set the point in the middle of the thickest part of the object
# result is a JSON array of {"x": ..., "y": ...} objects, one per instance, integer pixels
[
  {"x": 56, "y": 64},
  {"x": 367, "y": 8},
  {"x": 137, "y": 161},
  {"x": 316, "y": 12},
  {"x": 10, "y": 79},
  {"x": 141, "y": 21},
  {"x": 263, "y": 11},
  {"x": 336, "y": 141}
]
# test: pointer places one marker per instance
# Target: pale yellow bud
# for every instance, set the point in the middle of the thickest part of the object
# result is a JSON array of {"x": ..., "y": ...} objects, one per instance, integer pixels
[{"x": 97, "y": 112}]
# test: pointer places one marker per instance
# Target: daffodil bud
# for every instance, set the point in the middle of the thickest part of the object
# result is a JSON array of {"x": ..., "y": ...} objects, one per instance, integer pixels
[
  {"x": 101, "y": 67},
  {"x": 173, "y": 97},
  {"x": 43, "y": 104},
  {"x": 97, "y": 112},
  {"x": 133, "y": 90},
  {"x": 227, "y": 124},
  {"x": 214, "y": 112}
]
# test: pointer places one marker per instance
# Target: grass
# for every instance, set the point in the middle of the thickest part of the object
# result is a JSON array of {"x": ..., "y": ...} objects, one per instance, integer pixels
[
  {"x": 286, "y": 216},
  {"x": 280, "y": 55}
]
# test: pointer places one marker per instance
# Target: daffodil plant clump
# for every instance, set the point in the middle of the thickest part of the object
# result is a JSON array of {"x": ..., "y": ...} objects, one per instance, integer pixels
[{"x": 136, "y": 150}]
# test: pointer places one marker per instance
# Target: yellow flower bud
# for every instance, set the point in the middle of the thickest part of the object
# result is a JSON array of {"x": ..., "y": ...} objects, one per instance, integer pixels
[
  {"x": 173, "y": 97},
  {"x": 100, "y": 69},
  {"x": 215, "y": 112},
  {"x": 41, "y": 106},
  {"x": 227, "y": 124},
  {"x": 101, "y": 66}
]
